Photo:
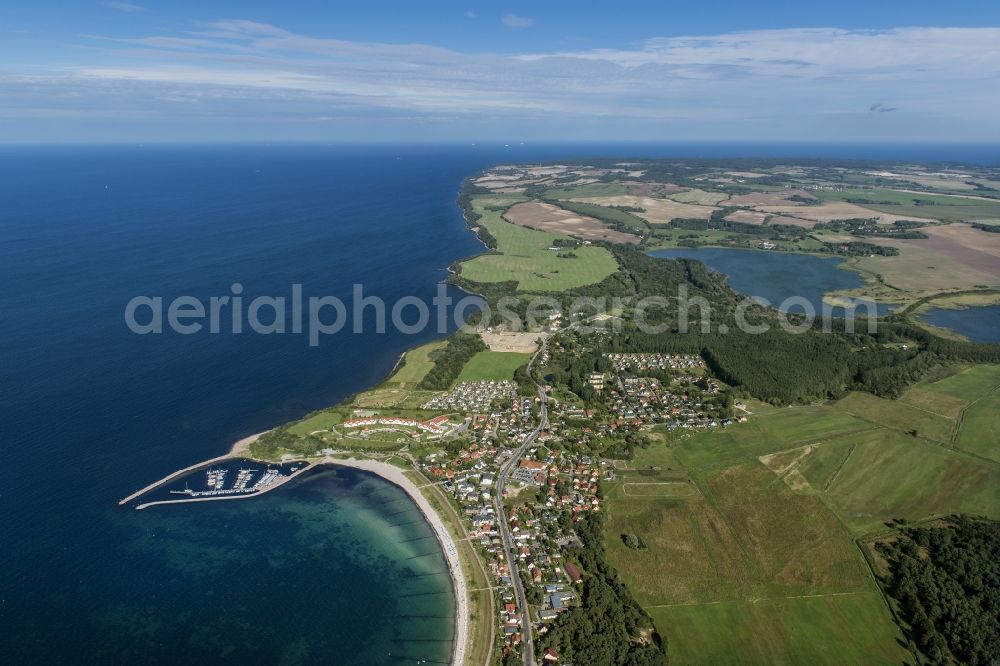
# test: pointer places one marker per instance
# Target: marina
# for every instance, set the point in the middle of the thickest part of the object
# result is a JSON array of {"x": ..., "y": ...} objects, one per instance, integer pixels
[{"x": 217, "y": 479}]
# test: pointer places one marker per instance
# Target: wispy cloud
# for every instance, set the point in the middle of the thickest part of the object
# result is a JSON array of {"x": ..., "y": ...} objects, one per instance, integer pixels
[
  {"x": 881, "y": 108},
  {"x": 126, "y": 7},
  {"x": 515, "y": 21},
  {"x": 777, "y": 83}
]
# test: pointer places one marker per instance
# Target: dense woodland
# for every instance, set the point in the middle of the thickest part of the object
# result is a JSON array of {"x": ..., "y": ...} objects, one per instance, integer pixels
[
  {"x": 449, "y": 361},
  {"x": 946, "y": 583},
  {"x": 610, "y": 624}
]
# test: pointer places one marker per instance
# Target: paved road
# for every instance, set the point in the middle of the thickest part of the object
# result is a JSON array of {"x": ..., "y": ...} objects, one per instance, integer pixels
[{"x": 508, "y": 540}]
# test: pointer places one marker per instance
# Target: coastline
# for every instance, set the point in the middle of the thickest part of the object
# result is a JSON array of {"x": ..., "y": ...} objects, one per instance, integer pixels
[
  {"x": 396, "y": 476},
  {"x": 390, "y": 473},
  {"x": 387, "y": 472}
]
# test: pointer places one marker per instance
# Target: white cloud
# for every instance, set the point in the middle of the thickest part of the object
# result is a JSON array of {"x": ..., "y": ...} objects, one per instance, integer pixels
[
  {"x": 515, "y": 21},
  {"x": 810, "y": 83}
]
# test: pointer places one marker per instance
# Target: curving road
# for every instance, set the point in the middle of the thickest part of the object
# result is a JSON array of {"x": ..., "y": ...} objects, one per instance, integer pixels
[{"x": 505, "y": 535}]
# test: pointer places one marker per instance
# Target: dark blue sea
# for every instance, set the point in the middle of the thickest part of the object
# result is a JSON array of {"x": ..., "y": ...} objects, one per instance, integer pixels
[{"x": 335, "y": 566}]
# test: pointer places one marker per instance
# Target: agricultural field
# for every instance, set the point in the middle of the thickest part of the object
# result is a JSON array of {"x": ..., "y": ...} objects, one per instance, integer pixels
[
  {"x": 524, "y": 257},
  {"x": 750, "y": 531},
  {"x": 587, "y": 190},
  {"x": 492, "y": 365},
  {"x": 828, "y": 211},
  {"x": 783, "y": 631},
  {"x": 956, "y": 256},
  {"x": 980, "y": 433},
  {"x": 606, "y": 213},
  {"x": 747, "y": 217},
  {"x": 655, "y": 211},
  {"x": 966, "y": 385},
  {"x": 700, "y": 197},
  {"x": 776, "y": 430},
  {"x": 660, "y": 190},
  {"x": 874, "y": 477},
  {"x": 551, "y": 218},
  {"x": 914, "y": 205},
  {"x": 735, "y": 535},
  {"x": 899, "y": 416},
  {"x": 773, "y": 198}
]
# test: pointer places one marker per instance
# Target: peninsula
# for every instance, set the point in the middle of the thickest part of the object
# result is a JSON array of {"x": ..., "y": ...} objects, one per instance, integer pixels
[{"x": 604, "y": 493}]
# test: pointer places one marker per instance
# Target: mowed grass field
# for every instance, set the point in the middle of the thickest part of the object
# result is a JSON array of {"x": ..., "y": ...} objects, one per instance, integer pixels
[
  {"x": 417, "y": 364},
  {"x": 901, "y": 416},
  {"x": 758, "y": 564},
  {"x": 782, "y": 631},
  {"x": 980, "y": 433},
  {"x": 492, "y": 365},
  {"x": 319, "y": 421},
  {"x": 737, "y": 536},
  {"x": 524, "y": 257}
]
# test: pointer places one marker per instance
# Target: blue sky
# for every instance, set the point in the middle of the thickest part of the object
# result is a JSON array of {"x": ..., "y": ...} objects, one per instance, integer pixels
[{"x": 151, "y": 70}]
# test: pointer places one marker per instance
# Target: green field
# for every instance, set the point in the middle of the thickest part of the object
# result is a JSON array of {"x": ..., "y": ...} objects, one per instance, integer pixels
[
  {"x": 702, "y": 197},
  {"x": 738, "y": 536},
  {"x": 844, "y": 629},
  {"x": 417, "y": 364},
  {"x": 765, "y": 433},
  {"x": 588, "y": 190},
  {"x": 319, "y": 421},
  {"x": 980, "y": 433},
  {"x": 967, "y": 385},
  {"x": 524, "y": 257},
  {"x": 492, "y": 365},
  {"x": 897, "y": 415},
  {"x": 937, "y": 207},
  {"x": 883, "y": 474},
  {"x": 759, "y": 562}
]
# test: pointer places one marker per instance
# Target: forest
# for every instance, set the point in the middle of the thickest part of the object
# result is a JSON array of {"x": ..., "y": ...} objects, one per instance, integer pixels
[
  {"x": 609, "y": 623},
  {"x": 449, "y": 361},
  {"x": 946, "y": 583}
]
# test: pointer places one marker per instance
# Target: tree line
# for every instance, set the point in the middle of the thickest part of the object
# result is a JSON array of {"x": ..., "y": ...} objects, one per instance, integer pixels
[
  {"x": 609, "y": 627},
  {"x": 450, "y": 359}
]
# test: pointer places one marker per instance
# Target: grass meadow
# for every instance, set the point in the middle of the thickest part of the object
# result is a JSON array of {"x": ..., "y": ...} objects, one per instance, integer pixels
[
  {"x": 492, "y": 365},
  {"x": 757, "y": 559},
  {"x": 523, "y": 256}
]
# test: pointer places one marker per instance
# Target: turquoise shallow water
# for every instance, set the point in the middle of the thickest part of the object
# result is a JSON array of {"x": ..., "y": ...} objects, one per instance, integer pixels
[{"x": 338, "y": 562}]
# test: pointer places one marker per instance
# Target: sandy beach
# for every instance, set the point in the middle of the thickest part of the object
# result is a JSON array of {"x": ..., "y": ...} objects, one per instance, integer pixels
[
  {"x": 389, "y": 473},
  {"x": 242, "y": 447},
  {"x": 395, "y": 475}
]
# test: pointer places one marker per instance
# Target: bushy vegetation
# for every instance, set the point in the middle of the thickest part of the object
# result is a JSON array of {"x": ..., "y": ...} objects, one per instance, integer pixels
[
  {"x": 718, "y": 222},
  {"x": 449, "y": 361},
  {"x": 869, "y": 226},
  {"x": 946, "y": 581},
  {"x": 859, "y": 249}
]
